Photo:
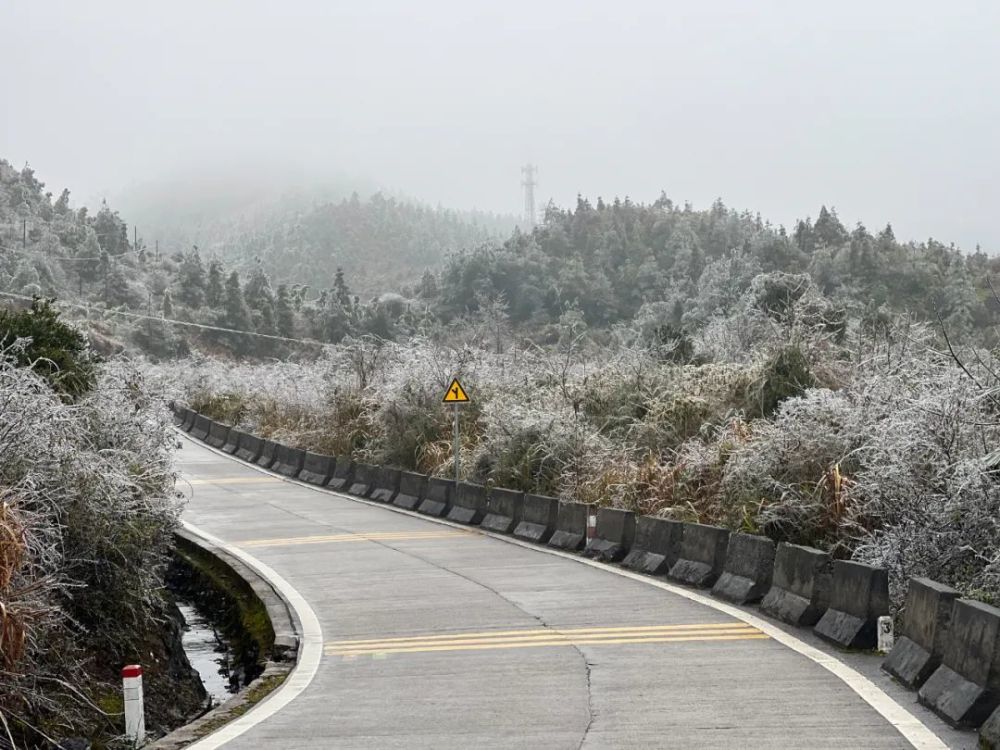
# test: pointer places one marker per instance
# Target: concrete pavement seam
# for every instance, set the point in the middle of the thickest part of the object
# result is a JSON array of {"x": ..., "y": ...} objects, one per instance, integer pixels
[{"x": 918, "y": 734}]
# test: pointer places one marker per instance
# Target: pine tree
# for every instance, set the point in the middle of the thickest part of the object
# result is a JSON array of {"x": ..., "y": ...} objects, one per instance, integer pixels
[
  {"x": 191, "y": 280},
  {"x": 168, "y": 305},
  {"x": 283, "y": 312},
  {"x": 214, "y": 290},
  {"x": 341, "y": 291}
]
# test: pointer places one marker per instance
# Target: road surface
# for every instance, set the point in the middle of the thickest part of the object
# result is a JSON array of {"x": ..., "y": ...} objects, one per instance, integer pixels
[{"x": 441, "y": 637}]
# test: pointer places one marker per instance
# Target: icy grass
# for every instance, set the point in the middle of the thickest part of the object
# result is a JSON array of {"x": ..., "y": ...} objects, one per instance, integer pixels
[
  {"x": 86, "y": 513},
  {"x": 885, "y": 456}
]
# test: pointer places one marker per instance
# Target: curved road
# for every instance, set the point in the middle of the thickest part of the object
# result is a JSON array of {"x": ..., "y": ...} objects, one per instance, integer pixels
[{"x": 436, "y": 636}]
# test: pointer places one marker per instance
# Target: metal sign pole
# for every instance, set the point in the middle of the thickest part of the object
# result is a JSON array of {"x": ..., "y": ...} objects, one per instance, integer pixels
[{"x": 457, "y": 443}]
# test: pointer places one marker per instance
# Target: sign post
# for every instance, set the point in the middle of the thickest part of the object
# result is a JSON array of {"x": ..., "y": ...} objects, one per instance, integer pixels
[{"x": 456, "y": 395}]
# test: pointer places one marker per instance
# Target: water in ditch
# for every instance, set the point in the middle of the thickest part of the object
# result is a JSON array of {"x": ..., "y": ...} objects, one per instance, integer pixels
[{"x": 209, "y": 653}]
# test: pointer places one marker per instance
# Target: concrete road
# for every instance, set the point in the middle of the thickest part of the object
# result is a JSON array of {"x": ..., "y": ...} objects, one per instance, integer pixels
[{"x": 443, "y": 637}]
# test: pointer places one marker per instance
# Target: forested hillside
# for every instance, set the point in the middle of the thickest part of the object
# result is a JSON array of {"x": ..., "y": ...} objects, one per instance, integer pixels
[
  {"x": 380, "y": 243},
  {"x": 611, "y": 260}
]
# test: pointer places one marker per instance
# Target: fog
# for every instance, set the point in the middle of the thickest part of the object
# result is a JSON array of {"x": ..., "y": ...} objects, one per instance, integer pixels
[{"x": 884, "y": 110}]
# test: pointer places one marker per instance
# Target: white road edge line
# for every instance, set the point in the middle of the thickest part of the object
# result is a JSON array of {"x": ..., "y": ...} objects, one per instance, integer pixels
[
  {"x": 310, "y": 654},
  {"x": 918, "y": 734}
]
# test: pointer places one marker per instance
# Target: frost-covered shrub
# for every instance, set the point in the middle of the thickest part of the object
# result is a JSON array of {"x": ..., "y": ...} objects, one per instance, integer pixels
[{"x": 87, "y": 498}]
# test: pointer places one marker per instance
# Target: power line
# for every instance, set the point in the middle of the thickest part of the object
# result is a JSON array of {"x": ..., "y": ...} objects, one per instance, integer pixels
[{"x": 203, "y": 326}]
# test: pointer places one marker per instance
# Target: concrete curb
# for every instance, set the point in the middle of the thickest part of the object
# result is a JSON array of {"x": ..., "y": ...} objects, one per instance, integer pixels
[{"x": 284, "y": 650}]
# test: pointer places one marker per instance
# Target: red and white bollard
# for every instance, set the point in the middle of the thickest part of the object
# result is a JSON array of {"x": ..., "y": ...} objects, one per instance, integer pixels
[
  {"x": 591, "y": 526},
  {"x": 135, "y": 714}
]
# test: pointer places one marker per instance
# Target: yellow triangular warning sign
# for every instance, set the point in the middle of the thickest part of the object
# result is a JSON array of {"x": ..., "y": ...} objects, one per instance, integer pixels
[{"x": 455, "y": 394}]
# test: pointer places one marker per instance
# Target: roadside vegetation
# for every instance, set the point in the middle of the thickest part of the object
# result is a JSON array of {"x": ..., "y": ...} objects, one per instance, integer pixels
[
  {"x": 87, "y": 509},
  {"x": 784, "y": 416}
]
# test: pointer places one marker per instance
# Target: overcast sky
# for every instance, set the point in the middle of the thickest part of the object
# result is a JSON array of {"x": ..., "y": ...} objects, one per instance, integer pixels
[{"x": 887, "y": 110}]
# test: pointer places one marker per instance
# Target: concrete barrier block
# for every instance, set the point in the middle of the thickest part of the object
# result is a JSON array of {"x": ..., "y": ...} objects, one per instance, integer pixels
[
  {"x": 965, "y": 689},
  {"x": 268, "y": 453},
  {"x": 468, "y": 504},
  {"x": 317, "y": 468},
  {"x": 232, "y": 440},
  {"x": 363, "y": 480},
  {"x": 438, "y": 496},
  {"x": 288, "y": 461},
  {"x": 412, "y": 487},
  {"x": 657, "y": 545},
  {"x": 343, "y": 474},
  {"x": 250, "y": 447},
  {"x": 503, "y": 510},
  {"x": 859, "y": 595},
  {"x": 989, "y": 734},
  {"x": 702, "y": 557},
  {"x": 571, "y": 526},
  {"x": 748, "y": 570},
  {"x": 538, "y": 519},
  {"x": 918, "y": 650},
  {"x": 218, "y": 433},
  {"x": 386, "y": 484},
  {"x": 800, "y": 587},
  {"x": 614, "y": 535},
  {"x": 200, "y": 426},
  {"x": 189, "y": 415}
]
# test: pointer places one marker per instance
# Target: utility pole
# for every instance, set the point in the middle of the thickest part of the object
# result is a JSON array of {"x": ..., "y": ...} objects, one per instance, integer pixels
[{"x": 528, "y": 182}]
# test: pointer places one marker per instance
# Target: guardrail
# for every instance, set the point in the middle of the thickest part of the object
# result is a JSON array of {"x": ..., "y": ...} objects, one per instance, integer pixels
[{"x": 949, "y": 649}]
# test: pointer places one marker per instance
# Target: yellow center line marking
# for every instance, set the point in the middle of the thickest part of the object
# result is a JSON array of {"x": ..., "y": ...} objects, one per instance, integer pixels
[
  {"x": 386, "y": 536},
  {"x": 623, "y": 630},
  {"x": 235, "y": 480},
  {"x": 744, "y": 636},
  {"x": 552, "y": 636}
]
